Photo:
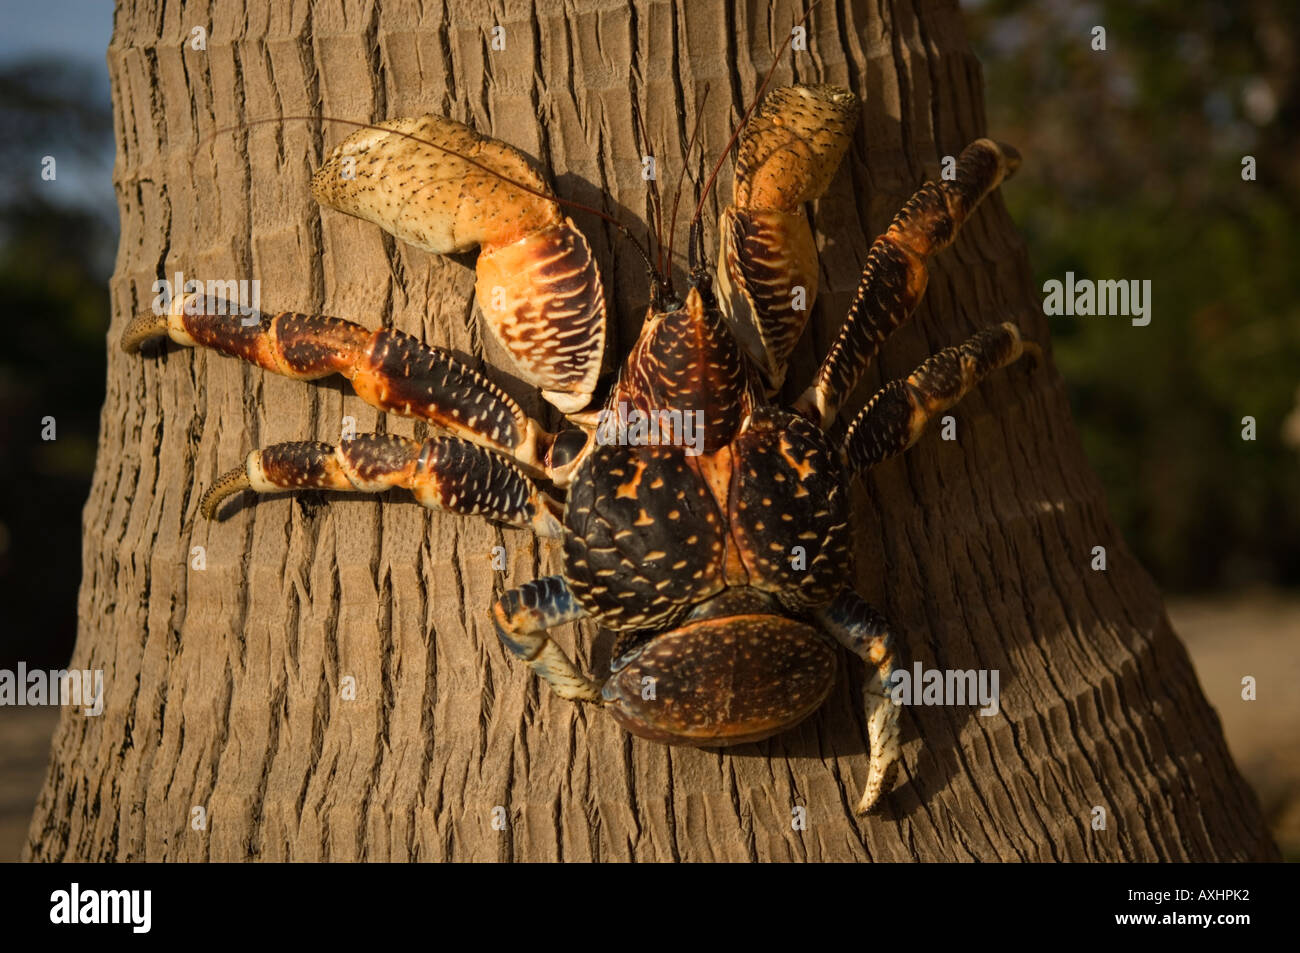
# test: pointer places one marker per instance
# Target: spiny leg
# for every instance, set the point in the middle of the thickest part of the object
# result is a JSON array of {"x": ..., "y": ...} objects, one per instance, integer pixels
[
  {"x": 896, "y": 416},
  {"x": 865, "y": 632},
  {"x": 388, "y": 369},
  {"x": 895, "y": 275},
  {"x": 444, "y": 473},
  {"x": 523, "y": 615}
]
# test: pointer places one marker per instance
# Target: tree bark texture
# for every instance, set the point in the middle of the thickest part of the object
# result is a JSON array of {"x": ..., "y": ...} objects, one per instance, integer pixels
[{"x": 224, "y": 684}]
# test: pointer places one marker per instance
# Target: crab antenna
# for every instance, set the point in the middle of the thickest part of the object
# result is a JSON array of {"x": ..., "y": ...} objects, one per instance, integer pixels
[
  {"x": 645, "y": 256},
  {"x": 699, "y": 266},
  {"x": 623, "y": 229},
  {"x": 695, "y": 250},
  {"x": 681, "y": 179},
  {"x": 699, "y": 208},
  {"x": 656, "y": 207}
]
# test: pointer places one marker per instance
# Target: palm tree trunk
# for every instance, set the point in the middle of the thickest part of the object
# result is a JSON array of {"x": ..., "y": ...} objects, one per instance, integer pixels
[{"x": 227, "y": 685}]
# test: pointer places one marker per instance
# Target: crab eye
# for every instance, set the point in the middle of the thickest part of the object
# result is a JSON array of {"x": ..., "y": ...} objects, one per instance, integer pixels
[{"x": 567, "y": 446}]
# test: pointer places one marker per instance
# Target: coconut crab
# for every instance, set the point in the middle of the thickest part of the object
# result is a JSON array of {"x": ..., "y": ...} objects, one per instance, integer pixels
[{"x": 721, "y": 570}]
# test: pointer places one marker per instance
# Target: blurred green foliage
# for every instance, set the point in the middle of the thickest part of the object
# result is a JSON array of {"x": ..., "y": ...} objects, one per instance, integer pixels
[{"x": 1133, "y": 170}]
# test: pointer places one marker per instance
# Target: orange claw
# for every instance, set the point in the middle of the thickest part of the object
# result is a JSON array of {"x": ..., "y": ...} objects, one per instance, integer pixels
[
  {"x": 789, "y": 151},
  {"x": 439, "y": 185}
]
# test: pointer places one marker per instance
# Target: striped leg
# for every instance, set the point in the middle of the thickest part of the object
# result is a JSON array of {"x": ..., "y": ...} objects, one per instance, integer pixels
[
  {"x": 896, "y": 416},
  {"x": 895, "y": 275},
  {"x": 391, "y": 370},
  {"x": 522, "y": 617},
  {"x": 864, "y": 632},
  {"x": 442, "y": 473}
]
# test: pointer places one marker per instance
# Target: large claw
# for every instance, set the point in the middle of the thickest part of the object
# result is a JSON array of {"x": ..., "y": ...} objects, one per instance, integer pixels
[
  {"x": 439, "y": 185},
  {"x": 767, "y": 262}
]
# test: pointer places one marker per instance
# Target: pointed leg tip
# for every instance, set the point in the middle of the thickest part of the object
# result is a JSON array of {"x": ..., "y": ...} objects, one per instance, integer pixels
[
  {"x": 1013, "y": 159},
  {"x": 226, "y": 486},
  {"x": 880, "y": 781},
  {"x": 143, "y": 328}
]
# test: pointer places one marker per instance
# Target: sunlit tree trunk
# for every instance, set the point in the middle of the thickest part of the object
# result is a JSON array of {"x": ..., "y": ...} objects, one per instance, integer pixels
[{"x": 229, "y": 730}]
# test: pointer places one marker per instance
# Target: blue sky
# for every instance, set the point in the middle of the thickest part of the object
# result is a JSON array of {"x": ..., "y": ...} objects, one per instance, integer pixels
[
  {"x": 78, "y": 29},
  {"x": 75, "y": 32}
]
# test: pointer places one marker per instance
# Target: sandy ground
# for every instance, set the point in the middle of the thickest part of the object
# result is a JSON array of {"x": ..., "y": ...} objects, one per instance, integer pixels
[
  {"x": 1256, "y": 635},
  {"x": 1229, "y": 638},
  {"x": 24, "y": 750}
]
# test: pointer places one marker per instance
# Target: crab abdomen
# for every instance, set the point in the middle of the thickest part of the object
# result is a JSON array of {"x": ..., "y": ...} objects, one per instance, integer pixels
[{"x": 722, "y": 681}]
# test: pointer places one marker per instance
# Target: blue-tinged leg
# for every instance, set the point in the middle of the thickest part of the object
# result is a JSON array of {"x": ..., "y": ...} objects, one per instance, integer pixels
[
  {"x": 522, "y": 617},
  {"x": 865, "y": 632}
]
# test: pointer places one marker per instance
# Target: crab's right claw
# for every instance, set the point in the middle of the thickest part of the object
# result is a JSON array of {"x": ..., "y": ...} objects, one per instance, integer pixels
[
  {"x": 438, "y": 185},
  {"x": 882, "y": 732}
]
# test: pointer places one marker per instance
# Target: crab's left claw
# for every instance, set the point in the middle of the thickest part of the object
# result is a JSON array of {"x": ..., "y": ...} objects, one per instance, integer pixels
[
  {"x": 438, "y": 185},
  {"x": 767, "y": 260}
]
